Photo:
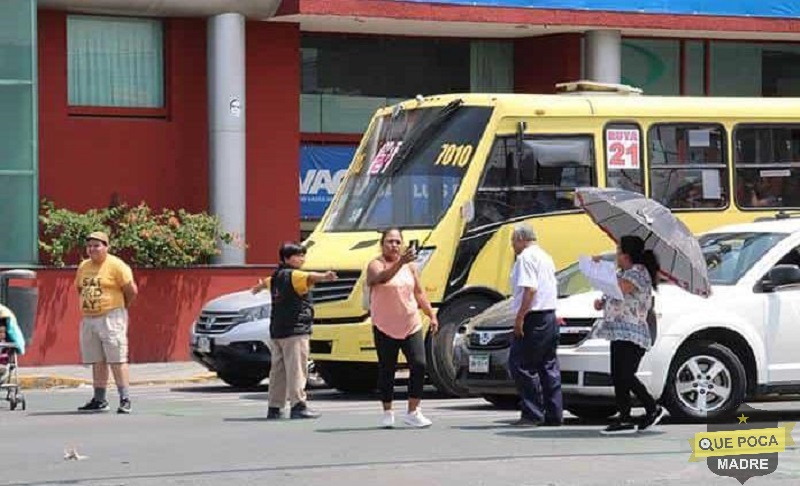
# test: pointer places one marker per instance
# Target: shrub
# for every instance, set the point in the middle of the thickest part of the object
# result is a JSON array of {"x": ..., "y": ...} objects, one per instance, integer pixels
[{"x": 140, "y": 235}]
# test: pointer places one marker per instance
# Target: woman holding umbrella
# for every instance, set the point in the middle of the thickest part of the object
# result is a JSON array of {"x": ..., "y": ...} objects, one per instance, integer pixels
[{"x": 625, "y": 325}]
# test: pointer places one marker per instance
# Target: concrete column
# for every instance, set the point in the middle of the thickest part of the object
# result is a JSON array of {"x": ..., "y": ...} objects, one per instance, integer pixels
[
  {"x": 226, "y": 124},
  {"x": 603, "y": 61}
]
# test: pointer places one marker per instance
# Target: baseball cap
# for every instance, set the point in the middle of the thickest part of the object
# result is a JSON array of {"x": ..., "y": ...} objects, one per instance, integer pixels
[{"x": 99, "y": 236}]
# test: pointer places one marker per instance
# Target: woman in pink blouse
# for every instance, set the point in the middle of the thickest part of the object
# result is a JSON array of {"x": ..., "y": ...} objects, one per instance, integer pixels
[{"x": 396, "y": 298}]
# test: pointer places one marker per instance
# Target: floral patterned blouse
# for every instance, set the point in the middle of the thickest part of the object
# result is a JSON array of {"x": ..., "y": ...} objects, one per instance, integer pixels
[{"x": 626, "y": 320}]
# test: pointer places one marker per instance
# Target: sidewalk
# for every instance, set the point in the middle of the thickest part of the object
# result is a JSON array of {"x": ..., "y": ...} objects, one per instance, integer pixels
[{"x": 140, "y": 374}]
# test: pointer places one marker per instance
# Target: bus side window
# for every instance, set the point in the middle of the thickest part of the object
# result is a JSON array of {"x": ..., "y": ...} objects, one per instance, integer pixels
[
  {"x": 766, "y": 165},
  {"x": 688, "y": 168},
  {"x": 541, "y": 181}
]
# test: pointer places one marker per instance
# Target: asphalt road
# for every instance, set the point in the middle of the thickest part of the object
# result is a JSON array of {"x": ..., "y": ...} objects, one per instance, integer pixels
[{"x": 208, "y": 434}]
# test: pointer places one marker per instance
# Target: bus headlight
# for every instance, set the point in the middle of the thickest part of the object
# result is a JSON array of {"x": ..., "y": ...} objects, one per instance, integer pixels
[{"x": 423, "y": 257}]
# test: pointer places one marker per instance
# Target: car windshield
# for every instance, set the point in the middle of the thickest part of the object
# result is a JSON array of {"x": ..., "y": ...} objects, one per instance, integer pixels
[
  {"x": 730, "y": 255},
  {"x": 409, "y": 168}
]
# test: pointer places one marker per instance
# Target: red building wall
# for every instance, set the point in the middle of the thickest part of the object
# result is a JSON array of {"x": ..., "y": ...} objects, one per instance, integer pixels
[
  {"x": 85, "y": 160},
  {"x": 541, "y": 62},
  {"x": 273, "y": 138},
  {"x": 160, "y": 319}
]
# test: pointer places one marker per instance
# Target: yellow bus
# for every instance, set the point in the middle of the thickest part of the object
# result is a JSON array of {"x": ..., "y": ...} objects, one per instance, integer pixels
[{"x": 456, "y": 172}]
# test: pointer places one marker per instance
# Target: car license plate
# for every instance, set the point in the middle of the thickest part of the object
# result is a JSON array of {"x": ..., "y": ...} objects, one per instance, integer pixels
[
  {"x": 479, "y": 363},
  {"x": 203, "y": 344}
]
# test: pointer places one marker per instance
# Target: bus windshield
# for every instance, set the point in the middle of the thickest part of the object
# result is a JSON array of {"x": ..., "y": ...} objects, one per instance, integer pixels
[{"x": 410, "y": 168}]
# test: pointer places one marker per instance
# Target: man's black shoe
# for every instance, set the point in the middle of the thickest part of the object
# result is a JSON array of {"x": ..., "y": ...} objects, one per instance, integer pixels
[
  {"x": 94, "y": 405},
  {"x": 526, "y": 422},
  {"x": 301, "y": 411},
  {"x": 274, "y": 413}
]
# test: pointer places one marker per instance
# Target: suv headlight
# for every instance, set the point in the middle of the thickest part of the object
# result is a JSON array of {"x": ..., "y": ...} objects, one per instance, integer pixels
[
  {"x": 423, "y": 257},
  {"x": 253, "y": 313}
]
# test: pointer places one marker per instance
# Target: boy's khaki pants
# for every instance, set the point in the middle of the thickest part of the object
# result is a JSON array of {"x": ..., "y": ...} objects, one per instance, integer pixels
[{"x": 289, "y": 373}]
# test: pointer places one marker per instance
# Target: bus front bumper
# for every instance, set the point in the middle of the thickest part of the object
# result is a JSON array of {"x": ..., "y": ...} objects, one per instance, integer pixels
[{"x": 351, "y": 342}]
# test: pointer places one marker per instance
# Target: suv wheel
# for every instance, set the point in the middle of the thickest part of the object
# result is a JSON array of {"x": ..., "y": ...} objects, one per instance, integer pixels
[
  {"x": 243, "y": 380},
  {"x": 707, "y": 382}
]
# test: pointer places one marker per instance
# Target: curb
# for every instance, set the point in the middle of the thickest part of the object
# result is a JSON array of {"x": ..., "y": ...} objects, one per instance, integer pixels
[{"x": 39, "y": 382}]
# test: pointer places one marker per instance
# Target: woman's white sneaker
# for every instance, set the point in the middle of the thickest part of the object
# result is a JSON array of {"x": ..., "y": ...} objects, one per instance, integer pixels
[
  {"x": 387, "y": 421},
  {"x": 416, "y": 419}
]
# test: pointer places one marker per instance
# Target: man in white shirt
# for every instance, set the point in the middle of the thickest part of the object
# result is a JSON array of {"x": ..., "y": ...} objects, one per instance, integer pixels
[{"x": 532, "y": 359}]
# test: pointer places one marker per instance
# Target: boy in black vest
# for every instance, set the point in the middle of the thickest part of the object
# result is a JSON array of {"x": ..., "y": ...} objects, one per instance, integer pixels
[{"x": 291, "y": 318}]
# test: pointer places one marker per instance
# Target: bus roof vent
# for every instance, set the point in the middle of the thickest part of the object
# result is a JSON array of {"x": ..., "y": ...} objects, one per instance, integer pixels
[{"x": 594, "y": 87}]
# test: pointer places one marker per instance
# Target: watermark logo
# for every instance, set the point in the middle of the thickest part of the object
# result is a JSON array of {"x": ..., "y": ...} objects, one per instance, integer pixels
[{"x": 742, "y": 450}]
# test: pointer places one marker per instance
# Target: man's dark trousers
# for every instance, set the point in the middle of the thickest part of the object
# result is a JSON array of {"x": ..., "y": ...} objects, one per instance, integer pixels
[{"x": 534, "y": 367}]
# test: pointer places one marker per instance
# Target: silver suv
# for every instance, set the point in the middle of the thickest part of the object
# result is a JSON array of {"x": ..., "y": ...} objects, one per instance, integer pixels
[{"x": 230, "y": 337}]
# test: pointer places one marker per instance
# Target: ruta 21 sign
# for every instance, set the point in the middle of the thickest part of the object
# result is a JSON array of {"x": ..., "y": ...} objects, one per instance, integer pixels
[{"x": 622, "y": 149}]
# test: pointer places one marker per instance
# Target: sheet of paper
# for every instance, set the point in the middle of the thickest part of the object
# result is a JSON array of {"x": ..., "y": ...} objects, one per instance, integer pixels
[
  {"x": 601, "y": 275},
  {"x": 712, "y": 189},
  {"x": 699, "y": 138}
]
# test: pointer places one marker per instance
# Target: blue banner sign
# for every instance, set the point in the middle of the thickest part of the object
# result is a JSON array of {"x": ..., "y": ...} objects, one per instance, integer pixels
[
  {"x": 746, "y": 8},
  {"x": 322, "y": 168}
]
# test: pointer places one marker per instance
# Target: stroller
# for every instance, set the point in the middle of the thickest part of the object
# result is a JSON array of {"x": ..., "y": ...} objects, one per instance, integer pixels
[{"x": 12, "y": 345}]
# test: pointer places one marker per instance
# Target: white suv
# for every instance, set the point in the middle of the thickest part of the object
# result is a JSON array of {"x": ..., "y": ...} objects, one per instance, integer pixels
[{"x": 742, "y": 343}]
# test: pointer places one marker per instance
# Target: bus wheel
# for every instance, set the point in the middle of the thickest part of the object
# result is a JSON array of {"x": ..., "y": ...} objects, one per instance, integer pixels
[
  {"x": 349, "y": 377},
  {"x": 441, "y": 368}
]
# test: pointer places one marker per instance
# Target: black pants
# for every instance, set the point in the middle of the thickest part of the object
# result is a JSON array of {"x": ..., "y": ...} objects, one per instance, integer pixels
[
  {"x": 413, "y": 348},
  {"x": 625, "y": 359},
  {"x": 533, "y": 366}
]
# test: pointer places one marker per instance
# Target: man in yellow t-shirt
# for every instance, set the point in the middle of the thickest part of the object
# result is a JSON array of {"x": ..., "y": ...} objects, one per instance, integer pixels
[{"x": 106, "y": 288}]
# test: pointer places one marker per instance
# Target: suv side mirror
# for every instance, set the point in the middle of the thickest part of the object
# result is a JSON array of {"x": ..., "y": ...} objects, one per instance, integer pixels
[{"x": 779, "y": 276}]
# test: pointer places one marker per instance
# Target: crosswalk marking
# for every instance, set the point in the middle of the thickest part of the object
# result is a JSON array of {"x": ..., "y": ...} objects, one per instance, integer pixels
[{"x": 204, "y": 397}]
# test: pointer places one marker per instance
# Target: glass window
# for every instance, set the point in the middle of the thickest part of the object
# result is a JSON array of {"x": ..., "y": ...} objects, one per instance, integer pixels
[
  {"x": 386, "y": 67},
  {"x": 688, "y": 167},
  {"x": 730, "y": 255},
  {"x": 652, "y": 64},
  {"x": 624, "y": 157},
  {"x": 537, "y": 177},
  {"x": 340, "y": 96},
  {"x": 754, "y": 69},
  {"x": 115, "y": 62},
  {"x": 409, "y": 169},
  {"x": 767, "y": 164},
  {"x": 694, "y": 74},
  {"x": 492, "y": 66},
  {"x": 16, "y": 25},
  {"x": 18, "y": 133}
]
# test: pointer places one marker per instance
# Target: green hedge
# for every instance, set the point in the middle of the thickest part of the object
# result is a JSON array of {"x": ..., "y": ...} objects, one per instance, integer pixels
[{"x": 140, "y": 235}]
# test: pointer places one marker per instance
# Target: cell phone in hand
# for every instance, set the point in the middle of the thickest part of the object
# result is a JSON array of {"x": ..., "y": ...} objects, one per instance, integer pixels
[{"x": 413, "y": 245}]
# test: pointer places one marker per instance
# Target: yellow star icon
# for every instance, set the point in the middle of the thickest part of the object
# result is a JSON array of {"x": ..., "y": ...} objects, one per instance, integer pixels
[{"x": 742, "y": 419}]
